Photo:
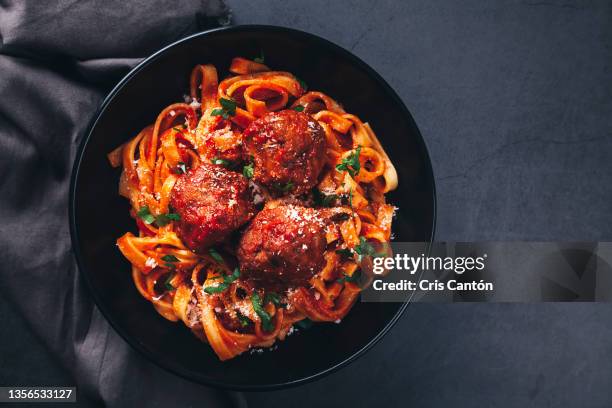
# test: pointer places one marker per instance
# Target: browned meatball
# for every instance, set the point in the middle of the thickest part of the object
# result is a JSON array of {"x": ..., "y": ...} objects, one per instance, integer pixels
[
  {"x": 288, "y": 148},
  {"x": 212, "y": 202},
  {"x": 283, "y": 247}
]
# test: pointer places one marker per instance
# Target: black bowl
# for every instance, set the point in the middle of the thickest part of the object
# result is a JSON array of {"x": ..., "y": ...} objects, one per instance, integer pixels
[{"x": 99, "y": 216}]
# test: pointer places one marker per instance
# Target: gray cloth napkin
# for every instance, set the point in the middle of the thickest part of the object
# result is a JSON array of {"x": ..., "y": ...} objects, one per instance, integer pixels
[{"x": 58, "y": 59}]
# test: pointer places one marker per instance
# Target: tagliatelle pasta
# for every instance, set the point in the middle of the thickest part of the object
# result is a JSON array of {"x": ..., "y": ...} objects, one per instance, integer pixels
[{"x": 190, "y": 274}]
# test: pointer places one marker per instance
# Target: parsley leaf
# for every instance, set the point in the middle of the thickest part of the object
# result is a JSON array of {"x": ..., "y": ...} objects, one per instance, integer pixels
[
  {"x": 220, "y": 162},
  {"x": 170, "y": 258},
  {"x": 167, "y": 283},
  {"x": 261, "y": 58},
  {"x": 216, "y": 289},
  {"x": 345, "y": 253},
  {"x": 227, "y": 280},
  {"x": 228, "y": 108},
  {"x": 323, "y": 200},
  {"x": 302, "y": 84},
  {"x": 304, "y": 324},
  {"x": 247, "y": 171},
  {"x": 215, "y": 255},
  {"x": 146, "y": 215},
  {"x": 354, "y": 278},
  {"x": 244, "y": 321},
  {"x": 284, "y": 187},
  {"x": 165, "y": 219},
  {"x": 181, "y": 167},
  {"x": 273, "y": 297},
  {"x": 364, "y": 248},
  {"x": 160, "y": 220},
  {"x": 299, "y": 108},
  {"x": 351, "y": 163},
  {"x": 231, "y": 278},
  {"x": 266, "y": 320}
]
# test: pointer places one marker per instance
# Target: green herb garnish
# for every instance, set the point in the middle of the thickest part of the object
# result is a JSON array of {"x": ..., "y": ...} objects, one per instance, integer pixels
[
  {"x": 170, "y": 258},
  {"x": 323, "y": 200},
  {"x": 146, "y": 215},
  {"x": 165, "y": 219},
  {"x": 182, "y": 167},
  {"x": 247, "y": 171},
  {"x": 216, "y": 289},
  {"x": 345, "y": 253},
  {"x": 266, "y": 320},
  {"x": 261, "y": 58},
  {"x": 227, "y": 280},
  {"x": 351, "y": 163},
  {"x": 167, "y": 283},
  {"x": 220, "y": 162},
  {"x": 302, "y": 84},
  {"x": 160, "y": 220},
  {"x": 354, "y": 278},
  {"x": 215, "y": 255},
  {"x": 244, "y": 321},
  {"x": 284, "y": 187},
  {"x": 304, "y": 324},
  {"x": 227, "y": 109},
  {"x": 299, "y": 108},
  {"x": 364, "y": 248},
  {"x": 273, "y": 297}
]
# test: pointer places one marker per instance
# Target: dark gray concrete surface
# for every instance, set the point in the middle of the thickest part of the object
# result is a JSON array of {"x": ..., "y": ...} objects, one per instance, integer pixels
[{"x": 514, "y": 100}]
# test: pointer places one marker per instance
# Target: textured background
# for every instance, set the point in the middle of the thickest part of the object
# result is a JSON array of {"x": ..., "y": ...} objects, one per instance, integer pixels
[{"x": 514, "y": 99}]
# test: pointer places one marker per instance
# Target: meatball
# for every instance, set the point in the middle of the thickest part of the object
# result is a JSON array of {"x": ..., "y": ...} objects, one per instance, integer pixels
[
  {"x": 283, "y": 247},
  {"x": 215, "y": 139},
  {"x": 212, "y": 202},
  {"x": 288, "y": 148}
]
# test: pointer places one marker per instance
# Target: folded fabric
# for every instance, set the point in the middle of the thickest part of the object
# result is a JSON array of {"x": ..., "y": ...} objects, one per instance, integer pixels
[{"x": 58, "y": 59}]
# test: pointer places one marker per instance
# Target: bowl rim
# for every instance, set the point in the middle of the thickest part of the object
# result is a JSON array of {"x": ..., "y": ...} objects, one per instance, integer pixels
[{"x": 108, "y": 99}]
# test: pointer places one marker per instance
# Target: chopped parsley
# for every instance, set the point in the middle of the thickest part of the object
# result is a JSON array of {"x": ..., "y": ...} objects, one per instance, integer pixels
[
  {"x": 227, "y": 280},
  {"x": 364, "y": 248},
  {"x": 299, "y": 108},
  {"x": 284, "y": 187},
  {"x": 304, "y": 324},
  {"x": 163, "y": 219},
  {"x": 170, "y": 258},
  {"x": 351, "y": 163},
  {"x": 345, "y": 253},
  {"x": 244, "y": 321},
  {"x": 145, "y": 215},
  {"x": 167, "y": 283},
  {"x": 227, "y": 109},
  {"x": 247, "y": 171},
  {"x": 266, "y": 319},
  {"x": 274, "y": 298},
  {"x": 323, "y": 200},
  {"x": 220, "y": 162},
  {"x": 181, "y": 167},
  {"x": 215, "y": 255},
  {"x": 261, "y": 58},
  {"x": 354, "y": 278},
  {"x": 302, "y": 84}
]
